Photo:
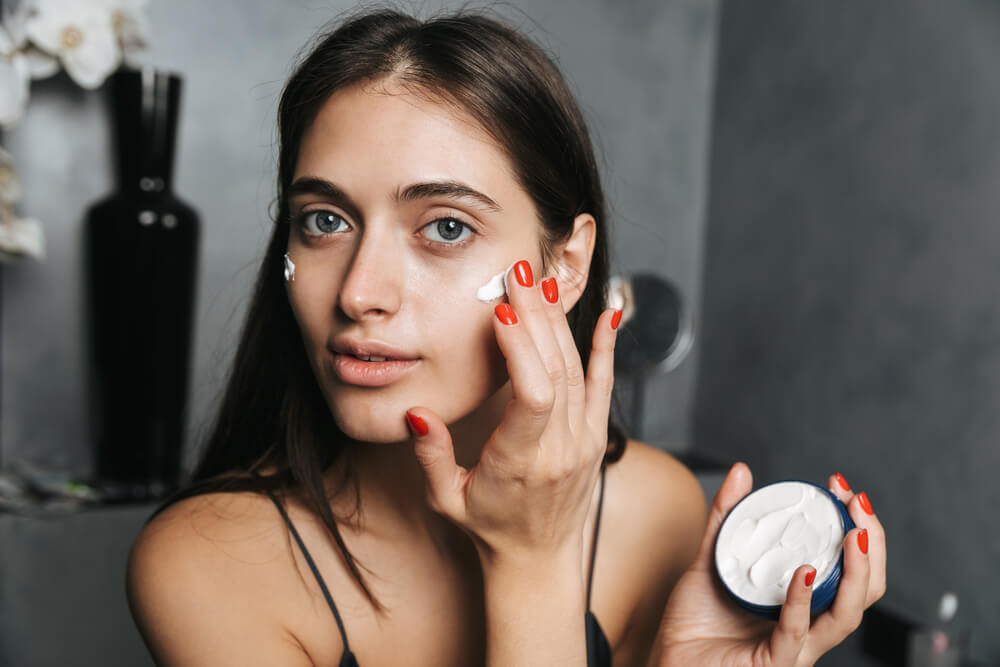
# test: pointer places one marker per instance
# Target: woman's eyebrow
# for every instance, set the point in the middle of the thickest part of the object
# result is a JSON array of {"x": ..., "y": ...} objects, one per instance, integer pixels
[
  {"x": 310, "y": 185},
  {"x": 449, "y": 189}
]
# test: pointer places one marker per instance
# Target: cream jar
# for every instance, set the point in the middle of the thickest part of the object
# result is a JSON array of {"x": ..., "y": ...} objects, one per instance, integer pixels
[{"x": 773, "y": 531}]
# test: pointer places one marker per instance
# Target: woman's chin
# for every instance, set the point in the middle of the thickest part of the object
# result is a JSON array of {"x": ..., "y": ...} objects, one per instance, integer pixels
[{"x": 384, "y": 432}]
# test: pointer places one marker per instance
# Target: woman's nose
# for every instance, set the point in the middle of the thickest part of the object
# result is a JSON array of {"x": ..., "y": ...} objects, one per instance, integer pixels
[{"x": 372, "y": 286}]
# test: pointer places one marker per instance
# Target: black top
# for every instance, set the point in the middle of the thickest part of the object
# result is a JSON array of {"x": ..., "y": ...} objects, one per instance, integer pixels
[{"x": 598, "y": 648}]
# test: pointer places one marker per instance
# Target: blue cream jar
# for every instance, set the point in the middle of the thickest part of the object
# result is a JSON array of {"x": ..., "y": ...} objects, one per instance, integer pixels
[{"x": 770, "y": 533}]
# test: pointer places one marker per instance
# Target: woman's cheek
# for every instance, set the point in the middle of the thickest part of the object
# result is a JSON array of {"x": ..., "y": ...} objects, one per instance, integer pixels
[
  {"x": 465, "y": 340},
  {"x": 312, "y": 300},
  {"x": 470, "y": 373}
]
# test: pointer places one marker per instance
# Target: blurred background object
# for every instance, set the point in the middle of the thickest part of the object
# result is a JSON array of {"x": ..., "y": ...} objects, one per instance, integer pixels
[
  {"x": 942, "y": 643},
  {"x": 654, "y": 336},
  {"x": 141, "y": 258}
]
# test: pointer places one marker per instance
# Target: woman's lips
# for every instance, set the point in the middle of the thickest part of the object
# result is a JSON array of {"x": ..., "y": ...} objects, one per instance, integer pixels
[{"x": 351, "y": 370}]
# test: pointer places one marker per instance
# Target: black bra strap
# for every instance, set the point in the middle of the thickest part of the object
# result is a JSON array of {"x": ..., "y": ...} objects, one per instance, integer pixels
[
  {"x": 593, "y": 547},
  {"x": 312, "y": 566},
  {"x": 329, "y": 598}
]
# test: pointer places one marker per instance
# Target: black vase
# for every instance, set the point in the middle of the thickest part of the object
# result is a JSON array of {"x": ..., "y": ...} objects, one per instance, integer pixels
[{"x": 142, "y": 248}]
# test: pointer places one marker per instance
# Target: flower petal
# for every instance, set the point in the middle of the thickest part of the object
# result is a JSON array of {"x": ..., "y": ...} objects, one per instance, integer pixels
[
  {"x": 10, "y": 186},
  {"x": 6, "y": 42},
  {"x": 21, "y": 237},
  {"x": 14, "y": 23},
  {"x": 133, "y": 29},
  {"x": 90, "y": 63},
  {"x": 13, "y": 89},
  {"x": 47, "y": 26},
  {"x": 45, "y": 30},
  {"x": 40, "y": 64}
]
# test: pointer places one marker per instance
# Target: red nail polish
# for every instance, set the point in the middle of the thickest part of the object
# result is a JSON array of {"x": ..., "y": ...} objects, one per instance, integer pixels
[
  {"x": 418, "y": 425},
  {"x": 810, "y": 578},
  {"x": 522, "y": 271},
  {"x": 505, "y": 314},
  {"x": 550, "y": 290},
  {"x": 863, "y": 541},
  {"x": 843, "y": 482},
  {"x": 616, "y": 319},
  {"x": 865, "y": 503}
]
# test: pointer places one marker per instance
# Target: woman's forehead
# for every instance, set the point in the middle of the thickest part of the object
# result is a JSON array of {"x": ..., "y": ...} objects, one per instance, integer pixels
[{"x": 388, "y": 129}]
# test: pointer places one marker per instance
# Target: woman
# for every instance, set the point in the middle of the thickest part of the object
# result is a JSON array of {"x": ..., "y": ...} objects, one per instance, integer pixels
[{"x": 442, "y": 460}]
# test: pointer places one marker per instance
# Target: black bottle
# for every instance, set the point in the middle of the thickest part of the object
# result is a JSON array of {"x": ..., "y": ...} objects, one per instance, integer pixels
[{"x": 142, "y": 249}]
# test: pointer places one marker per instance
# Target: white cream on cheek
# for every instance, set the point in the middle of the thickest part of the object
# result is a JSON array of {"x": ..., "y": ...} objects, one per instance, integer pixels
[
  {"x": 289, "y": 268},
  {"x": 771, "y": 533},
  {"x": 496, "y": 287}
]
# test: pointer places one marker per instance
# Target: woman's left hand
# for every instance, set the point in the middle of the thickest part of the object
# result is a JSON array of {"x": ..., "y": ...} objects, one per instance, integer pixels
[{"x": 702, "y": 626}]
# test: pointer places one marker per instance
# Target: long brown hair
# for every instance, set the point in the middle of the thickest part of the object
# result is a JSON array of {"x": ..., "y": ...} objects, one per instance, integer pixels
[{"x": 272, "y": 412}]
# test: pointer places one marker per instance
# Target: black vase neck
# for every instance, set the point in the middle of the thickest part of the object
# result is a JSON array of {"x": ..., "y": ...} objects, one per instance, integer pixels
[{"x": 146, "y": 104}]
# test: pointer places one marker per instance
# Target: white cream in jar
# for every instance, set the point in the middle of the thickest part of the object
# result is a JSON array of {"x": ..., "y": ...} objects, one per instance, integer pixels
[{"x": 773, "y": 531}]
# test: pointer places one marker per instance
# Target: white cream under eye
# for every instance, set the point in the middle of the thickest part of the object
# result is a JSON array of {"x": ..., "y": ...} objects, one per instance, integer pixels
[{"x": 495, "y": 287}]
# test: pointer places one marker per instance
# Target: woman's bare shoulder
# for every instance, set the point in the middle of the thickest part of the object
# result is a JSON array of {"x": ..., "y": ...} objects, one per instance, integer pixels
[
  {"x": 205, "y": 581},
  {"x": 242, "y": 519},
  {"x": 654, "y": 518},
  {"x": 658, "y": 492}
]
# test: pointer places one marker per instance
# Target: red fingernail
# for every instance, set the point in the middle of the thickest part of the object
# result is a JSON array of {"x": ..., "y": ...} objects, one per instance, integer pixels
[
  {"x": 505, "y": 313},
  {"x": 522, "y": 271},
  {"x": 843, "y": 482},
  {"x": 865, "y": 503},
  {"x": 863, "y": 540},
  {"x": 616, "y": 319},
  {"x": 810, "y": 578},
  {"x": 550, "y": 290},
  {"x": 418, "y": 425}
]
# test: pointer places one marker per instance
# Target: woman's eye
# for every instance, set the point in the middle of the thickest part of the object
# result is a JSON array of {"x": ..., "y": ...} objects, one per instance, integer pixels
[
  {"x": 447, "y": 230},
  {"x": 322, "y": 222}
]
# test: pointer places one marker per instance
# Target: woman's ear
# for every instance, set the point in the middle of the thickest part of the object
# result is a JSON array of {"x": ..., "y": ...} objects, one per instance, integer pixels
[{"x": 571, "y": 261}]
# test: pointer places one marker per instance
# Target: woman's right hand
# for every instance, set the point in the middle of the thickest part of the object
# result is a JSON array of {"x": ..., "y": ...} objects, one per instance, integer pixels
[
  {"x": 526, "y": 500},
  {"x": 528, "y": 496}
]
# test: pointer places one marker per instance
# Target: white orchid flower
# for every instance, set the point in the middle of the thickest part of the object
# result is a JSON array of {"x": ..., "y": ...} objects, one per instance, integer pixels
[
  {"x": 10, "y": 186},
  {"x": 14, "y": 79},
  {"x": 20, "y": 237},
  {"x": 131, "y": 26},
  {"x": 40, "y": 64},
  {"x": 80, "y": 33}
]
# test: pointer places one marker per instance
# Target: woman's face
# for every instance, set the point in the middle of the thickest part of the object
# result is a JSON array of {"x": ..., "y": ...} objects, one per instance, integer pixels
[{"x": 401, "y": 209}]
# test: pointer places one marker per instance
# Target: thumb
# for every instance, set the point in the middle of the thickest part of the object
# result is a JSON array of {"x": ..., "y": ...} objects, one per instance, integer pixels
[
  {"x": 737, "y": 484},
  {"x": 436, "y": 455},
  {"x": 790, "y": 634}
]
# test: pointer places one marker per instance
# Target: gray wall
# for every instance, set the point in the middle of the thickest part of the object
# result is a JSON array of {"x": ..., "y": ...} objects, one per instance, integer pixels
[
  {"x": 851, "y": 314},
  {"x": 643, "y": 73}
]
